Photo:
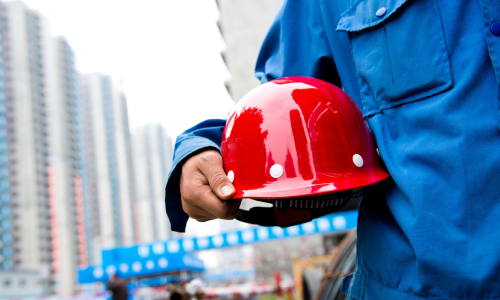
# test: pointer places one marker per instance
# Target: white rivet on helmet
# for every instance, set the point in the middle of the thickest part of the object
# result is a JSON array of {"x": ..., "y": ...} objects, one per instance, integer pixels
[
  {"x": 276, "y": 171},
  {"x": 230, "y": 175},
  {"x": 358, "y": 160}
]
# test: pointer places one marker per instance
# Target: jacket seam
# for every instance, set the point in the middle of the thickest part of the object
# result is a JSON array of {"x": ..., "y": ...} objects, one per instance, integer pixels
[
  {"x": 318, "y": 2},
  {"x": 365, "y": 26},
  {"x": 358, "y": 79}
]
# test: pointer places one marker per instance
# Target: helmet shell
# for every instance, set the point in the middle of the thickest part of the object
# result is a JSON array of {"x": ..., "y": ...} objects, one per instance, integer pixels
[{"x": 298, "y": 136}]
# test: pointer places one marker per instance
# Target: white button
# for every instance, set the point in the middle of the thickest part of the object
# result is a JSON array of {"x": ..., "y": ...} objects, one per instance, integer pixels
[
  {"x": 230, "y": 175},
  {"x": 358, "y": 160},
  {"x": 381, "y": 12},
  {"x": 276, "y": 171}
]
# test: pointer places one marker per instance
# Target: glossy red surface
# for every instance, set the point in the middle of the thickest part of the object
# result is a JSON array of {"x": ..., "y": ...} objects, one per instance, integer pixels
[{"x": 309, "y": 127}]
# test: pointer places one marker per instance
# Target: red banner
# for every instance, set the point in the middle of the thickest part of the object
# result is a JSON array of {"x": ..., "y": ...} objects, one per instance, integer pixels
[
  {"x": 53, "y": 219},
  {"x": 80, "y": 219}
]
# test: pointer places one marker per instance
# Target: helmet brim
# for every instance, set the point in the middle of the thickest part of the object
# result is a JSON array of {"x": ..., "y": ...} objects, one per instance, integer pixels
[{"x": 289, "y": 188}]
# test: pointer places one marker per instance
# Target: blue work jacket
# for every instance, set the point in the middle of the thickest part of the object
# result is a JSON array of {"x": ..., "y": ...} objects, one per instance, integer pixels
[{"x": 425, "y": 74}]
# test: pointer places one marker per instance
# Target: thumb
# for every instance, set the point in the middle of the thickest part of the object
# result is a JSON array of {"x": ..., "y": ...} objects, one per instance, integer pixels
[{"x": 218, "y": 180}]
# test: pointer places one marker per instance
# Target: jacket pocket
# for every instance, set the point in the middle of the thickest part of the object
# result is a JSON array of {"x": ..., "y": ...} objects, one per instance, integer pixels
[{"x": 399, "y": 51}]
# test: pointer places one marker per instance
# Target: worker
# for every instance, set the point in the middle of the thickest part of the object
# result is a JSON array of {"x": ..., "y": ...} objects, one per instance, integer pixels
[
  {"x": 426, "y": 75},
  {"x": 118, "y": 288}
]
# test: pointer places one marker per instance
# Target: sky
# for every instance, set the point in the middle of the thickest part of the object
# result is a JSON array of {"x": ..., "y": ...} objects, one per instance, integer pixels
[{"x": 164, "y": 54}]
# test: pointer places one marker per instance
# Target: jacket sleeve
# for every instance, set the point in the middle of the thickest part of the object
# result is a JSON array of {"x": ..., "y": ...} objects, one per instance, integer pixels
[
  {"x": 297, "y": 45},
  {"x": 207, "y": 134}
]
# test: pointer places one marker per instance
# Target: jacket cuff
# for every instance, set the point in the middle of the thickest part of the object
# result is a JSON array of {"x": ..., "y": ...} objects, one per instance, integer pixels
[{"x": 178, "y": 218}]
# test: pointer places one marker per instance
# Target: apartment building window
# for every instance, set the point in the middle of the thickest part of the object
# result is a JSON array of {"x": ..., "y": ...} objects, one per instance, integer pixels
[{"x": 6, "y": 282}]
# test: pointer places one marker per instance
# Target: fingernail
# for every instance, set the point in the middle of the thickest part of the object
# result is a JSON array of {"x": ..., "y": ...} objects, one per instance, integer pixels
[{"x": 226, "y": 190}]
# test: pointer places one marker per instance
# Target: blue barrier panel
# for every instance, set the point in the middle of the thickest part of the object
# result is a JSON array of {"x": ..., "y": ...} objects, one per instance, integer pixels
[
  {"x": 171, "y": 255},
  {"x": 92, "y": 274},
  {"x": 141, "y": 267},
  {"x": 328, "y": 224}
]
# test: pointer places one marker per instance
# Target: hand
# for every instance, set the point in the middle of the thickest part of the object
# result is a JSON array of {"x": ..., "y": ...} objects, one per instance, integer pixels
[{"x": 205, "y": 189}]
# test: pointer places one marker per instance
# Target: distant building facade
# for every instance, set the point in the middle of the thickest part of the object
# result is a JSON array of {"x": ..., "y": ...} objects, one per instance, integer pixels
[
  {"x": 26, "y": 209},
  {"x": 17, "y": 284},
  {"x": 153, "y": 158},
  {"x": 109, "y": 163},
  {"x": 67, "y": 180},
  {"x": 6, "y": 205},
  {"x": 126, "y": 173},
  {"x": 65, "y": 169},
  {"x": 243, "y": 25}
]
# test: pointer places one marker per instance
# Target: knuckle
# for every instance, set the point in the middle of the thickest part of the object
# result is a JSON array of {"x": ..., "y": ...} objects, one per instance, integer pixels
[
  {"x": 203, "y": 220},
  {"x": 194, "y": 190},
  {"x": 230, "y": 216},
  {"x": 209, "y": 156},
  {"x": 218, "y": 179},
  {"x": 187, "y": 208},
  {"x": 225, "y": 213},
  {"x": 186, "y": 194},
  {"x": 204, "y": 159},
  {"x": 205, "y": 194},
  {"x": 188, "y": 166},
  {"x": 210, "y": 159}
]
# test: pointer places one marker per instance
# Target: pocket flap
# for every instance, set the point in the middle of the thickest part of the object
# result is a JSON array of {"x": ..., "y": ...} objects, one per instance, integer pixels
[{"x": 363, "y": 14}]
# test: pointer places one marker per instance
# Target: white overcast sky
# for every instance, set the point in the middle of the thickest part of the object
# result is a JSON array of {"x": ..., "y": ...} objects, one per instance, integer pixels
[{"x": 165, "y": 53}]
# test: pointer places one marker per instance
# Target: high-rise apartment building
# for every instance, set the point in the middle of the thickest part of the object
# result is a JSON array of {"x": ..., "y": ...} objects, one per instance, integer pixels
[
  {"x": 25, "y": 46},
  {"x": 125, "y": 169},
  {"x": 6, "y": 230},
  {"x": 44, "y": 190},
  {"x": 153, "y": 159},
  {"x": 109, "y": 163},
  {"x": 66, "y": 170},
  {"x": 6, "y": 239},
  {"x": 67, "y": 184}
]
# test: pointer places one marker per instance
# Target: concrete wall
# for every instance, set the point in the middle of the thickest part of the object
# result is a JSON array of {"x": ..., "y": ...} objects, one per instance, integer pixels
[{"x": 244, "y": 24}]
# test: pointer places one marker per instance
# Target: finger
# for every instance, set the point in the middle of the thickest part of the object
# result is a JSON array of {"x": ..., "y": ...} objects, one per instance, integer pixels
[
  {"x": 198, "y": 199},
  {"x": 196, "y": 212},
  {"x": 235, "y": 209},
  {"x": 196, "y": 191},
  {"x": 207, "y": 200},
  {"x": 202, "y": 219},
  {"x": 211, "y": 166}
]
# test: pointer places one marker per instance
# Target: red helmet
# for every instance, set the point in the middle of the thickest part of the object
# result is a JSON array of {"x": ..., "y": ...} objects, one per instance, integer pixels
[{"x": 299, "y": 143}]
